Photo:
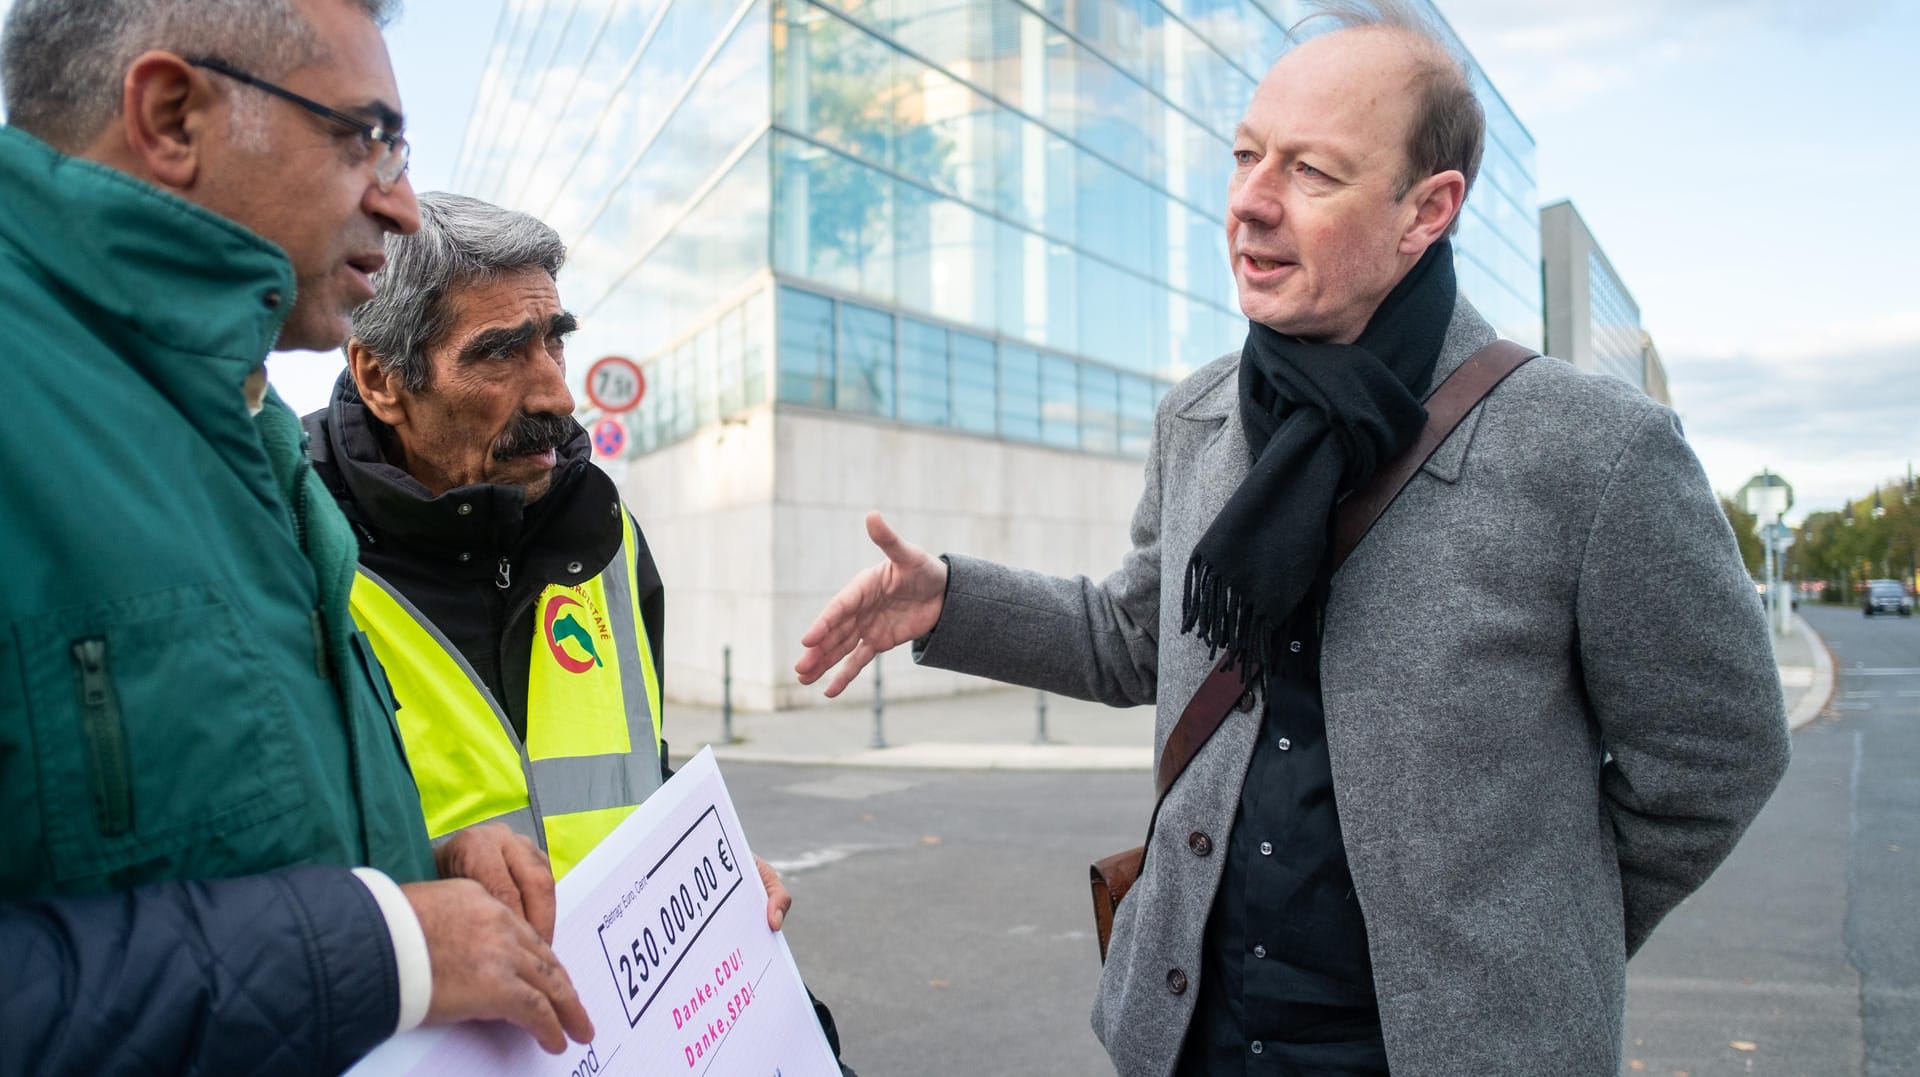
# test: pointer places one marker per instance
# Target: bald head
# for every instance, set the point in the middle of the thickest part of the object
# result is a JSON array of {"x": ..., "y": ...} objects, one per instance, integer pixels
[{"x": 1337, "y": 189}]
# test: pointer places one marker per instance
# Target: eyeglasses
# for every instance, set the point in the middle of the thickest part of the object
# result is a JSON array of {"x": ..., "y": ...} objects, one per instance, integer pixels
[{"x": 389, "y": 149}]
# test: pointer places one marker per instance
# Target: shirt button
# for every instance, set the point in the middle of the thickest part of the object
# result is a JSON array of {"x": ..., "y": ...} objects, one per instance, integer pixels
[
  {"x": 1266, "y": 848},
  {"x": 1177, "y": 982},
  {"x": 1258, "y": 1047},
  {"x": 1285, "y": 744},
  {"x": 1259, "y": 951},
  {"x": 1199, "y": 843},
  {"x": 1294, "y": 646},
  {"x": 465, "y": 557},
  {"x": 465, "y": 509}
]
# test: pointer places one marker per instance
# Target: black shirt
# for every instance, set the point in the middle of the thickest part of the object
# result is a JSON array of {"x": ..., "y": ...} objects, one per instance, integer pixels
[{"x": 1286, "y": 986}]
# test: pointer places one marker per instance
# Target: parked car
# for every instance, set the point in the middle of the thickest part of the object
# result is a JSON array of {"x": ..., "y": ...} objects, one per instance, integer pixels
[{"x": 1886, "y": 596}]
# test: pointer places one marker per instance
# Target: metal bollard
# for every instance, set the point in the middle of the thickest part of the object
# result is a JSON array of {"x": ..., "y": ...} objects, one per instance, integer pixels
[
  {"x": 1039, "y": 716},
  {"x": 879, "y": 709},
  {"x": 726, "y": 695}
]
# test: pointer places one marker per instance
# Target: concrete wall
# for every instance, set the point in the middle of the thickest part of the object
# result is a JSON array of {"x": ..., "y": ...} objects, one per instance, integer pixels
[
  {"x": 1039, "y": 508},
  {"x": 757, "y": 522},
  {"x": 706, "y": 505}
]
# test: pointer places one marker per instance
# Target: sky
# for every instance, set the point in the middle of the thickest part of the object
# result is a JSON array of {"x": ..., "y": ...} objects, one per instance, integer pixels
[{"x": 1748, "y": 166}]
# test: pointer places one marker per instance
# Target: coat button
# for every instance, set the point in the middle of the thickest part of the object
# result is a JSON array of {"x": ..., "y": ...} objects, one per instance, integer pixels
[
  {"x": 1266, "y": 848},
  {"x": 1177, "y": 982},
  {"x": 1258, "y": 1047},
  {"x": 465, "y": 508},
  {"x": 271, "y": 299},
  {"x": 574, "y": 567},
  {"x": 1247, "y": 701},
  {"x": 1199, "y": 843},
  {"x": 1294, "y": 646},
  {"x": 1284, "y": 744}
]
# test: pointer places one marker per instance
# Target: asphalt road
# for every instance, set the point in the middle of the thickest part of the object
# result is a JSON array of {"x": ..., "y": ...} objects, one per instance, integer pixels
[
  {"x": 1801, "y": 956},
  {"x": 945, "y": 915}
]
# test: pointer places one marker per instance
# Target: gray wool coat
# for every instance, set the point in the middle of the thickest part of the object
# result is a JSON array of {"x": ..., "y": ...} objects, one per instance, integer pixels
[{"x": 1551, "y": 708}]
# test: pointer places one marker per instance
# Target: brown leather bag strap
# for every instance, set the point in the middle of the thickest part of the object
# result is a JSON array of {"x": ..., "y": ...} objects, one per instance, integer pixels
[
  {"x": 1352, "y": 519},
  {"x": 1465, "y": 387}
]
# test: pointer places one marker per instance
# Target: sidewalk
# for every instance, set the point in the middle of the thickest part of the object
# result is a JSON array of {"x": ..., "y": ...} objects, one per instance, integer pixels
[{"x": 997, "y": 729}]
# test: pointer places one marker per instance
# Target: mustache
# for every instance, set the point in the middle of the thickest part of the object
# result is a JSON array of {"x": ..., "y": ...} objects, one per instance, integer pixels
[{"x": 531, "y": 434}]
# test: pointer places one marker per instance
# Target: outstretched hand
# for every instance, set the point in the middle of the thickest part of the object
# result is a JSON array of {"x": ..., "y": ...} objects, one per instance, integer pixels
[{"x": 886, "y": 605}]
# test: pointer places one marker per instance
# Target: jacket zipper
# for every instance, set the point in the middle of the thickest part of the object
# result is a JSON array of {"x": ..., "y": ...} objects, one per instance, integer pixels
[
  {"x": 504, "y": 579},
  {"x": 106, "y": 738},
  {"x": 322, "y": 661}
]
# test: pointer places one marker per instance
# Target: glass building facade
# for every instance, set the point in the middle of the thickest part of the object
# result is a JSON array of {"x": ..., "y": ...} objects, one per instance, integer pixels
[
  {"x": 996, "y": 217},
  {"x": 1617, "y": 342}
]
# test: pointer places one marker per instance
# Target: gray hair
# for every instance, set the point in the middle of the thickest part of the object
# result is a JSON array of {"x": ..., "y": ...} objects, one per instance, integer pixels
[
  {"x": 461, "y": 240},
  {"x": 64, "y": 61},
  {"x": 1449, "y": 126}
]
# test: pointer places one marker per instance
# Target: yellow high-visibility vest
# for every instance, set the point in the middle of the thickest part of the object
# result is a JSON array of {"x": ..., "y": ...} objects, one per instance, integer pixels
[{"x": 592, "y": 751}]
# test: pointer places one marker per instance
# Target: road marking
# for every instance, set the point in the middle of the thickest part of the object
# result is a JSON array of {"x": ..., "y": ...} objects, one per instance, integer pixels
[
  {"x": 818, "y": 858},
  {"x": 1909, "y": 693},
  {"x": 1880, "y": 671}
]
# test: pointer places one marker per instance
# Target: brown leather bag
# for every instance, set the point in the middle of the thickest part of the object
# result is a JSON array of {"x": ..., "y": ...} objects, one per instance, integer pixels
[{"x": 1223, "y": 688}]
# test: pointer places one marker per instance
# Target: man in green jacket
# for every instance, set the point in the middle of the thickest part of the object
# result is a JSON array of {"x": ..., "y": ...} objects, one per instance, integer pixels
[{"x": 214, "y": 859}]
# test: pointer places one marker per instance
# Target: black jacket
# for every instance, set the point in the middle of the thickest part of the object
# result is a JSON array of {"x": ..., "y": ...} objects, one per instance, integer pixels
[
  {"x": 270, "y": 974},
  {"x": 475, "y": 559}
]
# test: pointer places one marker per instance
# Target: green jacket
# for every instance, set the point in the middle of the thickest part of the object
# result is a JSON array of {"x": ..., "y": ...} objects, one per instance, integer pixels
[{"x": 182, "y": 693}]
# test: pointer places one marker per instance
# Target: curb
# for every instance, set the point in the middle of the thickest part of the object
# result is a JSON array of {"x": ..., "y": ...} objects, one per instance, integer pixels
[
  {"x": 1821, "y": 691},
  {"x": 935, "y": 756}
]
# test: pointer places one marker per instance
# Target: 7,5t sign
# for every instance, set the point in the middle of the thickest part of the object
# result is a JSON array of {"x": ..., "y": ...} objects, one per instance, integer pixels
[{"x": 615, "y": 384}]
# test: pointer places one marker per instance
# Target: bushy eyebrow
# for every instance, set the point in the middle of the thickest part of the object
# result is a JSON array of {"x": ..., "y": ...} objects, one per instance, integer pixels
[
  {"x": 379, "y": 112},
  {"x": 508, "y": 339}
]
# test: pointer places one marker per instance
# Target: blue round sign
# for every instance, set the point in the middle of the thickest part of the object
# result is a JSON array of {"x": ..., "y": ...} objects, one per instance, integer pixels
[{"x": 609, "y": 437}]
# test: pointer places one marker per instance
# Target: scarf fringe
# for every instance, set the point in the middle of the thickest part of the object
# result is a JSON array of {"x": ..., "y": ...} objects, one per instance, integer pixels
[{"x": 1223, "y": 617}]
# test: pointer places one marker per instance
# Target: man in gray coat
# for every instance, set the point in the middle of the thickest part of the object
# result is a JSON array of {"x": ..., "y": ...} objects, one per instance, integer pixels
[{"x": 1540, "y": 687}]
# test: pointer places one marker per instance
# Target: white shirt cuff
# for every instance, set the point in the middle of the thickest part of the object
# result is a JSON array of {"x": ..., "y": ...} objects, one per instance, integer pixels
[{"x": 409, "y": 947}]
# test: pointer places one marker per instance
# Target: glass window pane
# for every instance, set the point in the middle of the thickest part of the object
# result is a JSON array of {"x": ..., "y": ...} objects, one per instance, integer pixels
[
  {"x": 923, "y": 373},
  {"x": 1059, "y": 402},
  {"x": 1019, "y": 393},
  {"x": 973, "y": 383},
  {"x": 1136, "y": 415},
  {"x": 864, "y": 376},
  {"x": 806, "y": 348},
  {"x": 1099, "y": 409}
]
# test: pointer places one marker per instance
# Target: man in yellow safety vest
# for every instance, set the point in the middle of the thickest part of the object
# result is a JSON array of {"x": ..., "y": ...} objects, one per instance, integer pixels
[{"x": 506, "y": 589}]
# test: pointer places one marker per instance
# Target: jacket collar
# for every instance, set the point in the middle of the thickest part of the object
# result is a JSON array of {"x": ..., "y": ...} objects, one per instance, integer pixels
[
  {"x": 469, "y": 529},
  {"x": 103, "y": 239},
  {"x": 1467, "y": 333}
]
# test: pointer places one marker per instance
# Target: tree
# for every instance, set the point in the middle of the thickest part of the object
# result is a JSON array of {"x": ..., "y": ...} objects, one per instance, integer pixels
[{"x": 1747, "y": 532}]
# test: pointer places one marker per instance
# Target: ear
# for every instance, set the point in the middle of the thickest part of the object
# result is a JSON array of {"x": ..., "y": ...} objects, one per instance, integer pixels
[
  {"x": 166, "y": 115},
  {"x": 379, "y": 390},
  {"x": 1436, "y": 202}
]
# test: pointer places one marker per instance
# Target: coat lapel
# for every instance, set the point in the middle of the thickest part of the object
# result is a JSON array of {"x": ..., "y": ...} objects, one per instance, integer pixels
[{"x": 1467, "y": 333}]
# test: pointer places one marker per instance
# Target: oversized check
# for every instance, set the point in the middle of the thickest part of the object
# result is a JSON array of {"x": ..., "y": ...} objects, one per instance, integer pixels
[{"x": 663, "y": 928}]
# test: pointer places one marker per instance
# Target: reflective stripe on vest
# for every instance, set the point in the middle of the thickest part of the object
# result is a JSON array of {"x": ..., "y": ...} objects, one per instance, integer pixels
[{"x": 593, "y": 713}]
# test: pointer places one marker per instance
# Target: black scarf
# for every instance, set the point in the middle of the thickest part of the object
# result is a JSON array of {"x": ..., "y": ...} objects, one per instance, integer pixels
[{"x": 1319, "y": 419}]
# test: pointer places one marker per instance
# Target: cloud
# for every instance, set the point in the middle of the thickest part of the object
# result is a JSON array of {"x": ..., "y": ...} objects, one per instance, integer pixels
[
  {"x": 1556, "y": 55},
  {"x": 1835, "y": 422}
]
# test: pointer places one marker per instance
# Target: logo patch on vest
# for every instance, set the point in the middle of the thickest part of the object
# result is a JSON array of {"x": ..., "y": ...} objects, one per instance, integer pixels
[{"x": 573, "y": 632}]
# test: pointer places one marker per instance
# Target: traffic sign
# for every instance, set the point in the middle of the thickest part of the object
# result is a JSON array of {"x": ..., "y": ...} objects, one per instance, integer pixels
[
  {"x": 615, "y": 384},
  {"x": 609, "y": 437}
]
